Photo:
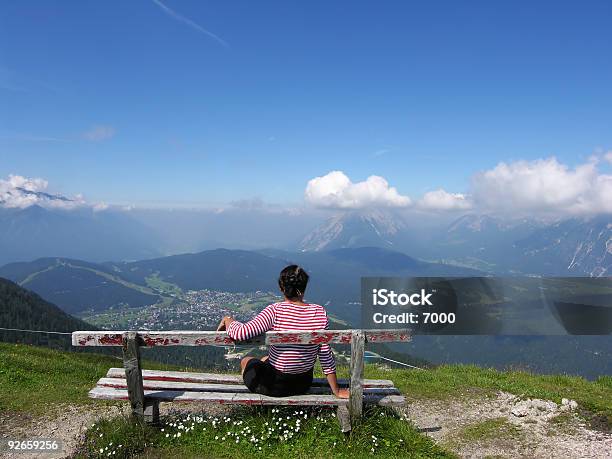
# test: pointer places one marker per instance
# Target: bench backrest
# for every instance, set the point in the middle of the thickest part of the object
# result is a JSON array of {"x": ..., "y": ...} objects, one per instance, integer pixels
[{"x": 203, "y": 338}]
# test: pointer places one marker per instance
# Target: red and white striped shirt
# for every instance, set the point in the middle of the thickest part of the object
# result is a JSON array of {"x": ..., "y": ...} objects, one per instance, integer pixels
[{"x": 283, "y": 316}]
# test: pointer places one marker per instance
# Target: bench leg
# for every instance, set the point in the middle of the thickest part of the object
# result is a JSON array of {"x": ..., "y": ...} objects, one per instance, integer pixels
[
  {"x": 344, "y": 419},
  {"x": 133, "y": 373},
  {"x": 151, "y": 412},
  {"x": 355, "y": 405}
]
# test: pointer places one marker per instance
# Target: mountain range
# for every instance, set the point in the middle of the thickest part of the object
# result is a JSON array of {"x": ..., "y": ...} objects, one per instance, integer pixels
[
  {"x": 492, "y": 244},
  {"x": 570, "y": 247}
]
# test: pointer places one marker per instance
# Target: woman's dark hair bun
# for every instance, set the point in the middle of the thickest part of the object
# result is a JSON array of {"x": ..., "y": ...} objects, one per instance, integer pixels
[{"x": 293, "y": 281}]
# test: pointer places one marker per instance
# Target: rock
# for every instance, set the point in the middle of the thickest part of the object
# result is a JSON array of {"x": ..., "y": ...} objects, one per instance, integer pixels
[
  {"x": 567, "y": 404},
  {"x": 534, "y": 408},
  {"x": 520, "y": 410}
]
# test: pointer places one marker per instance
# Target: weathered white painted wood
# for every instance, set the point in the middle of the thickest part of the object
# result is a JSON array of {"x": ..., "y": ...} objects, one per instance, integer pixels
[
  {"x": 133, "y": 375},
  {"x": 356, "y": 385},
  {"x": 344, "y": 418},
  {"x": 108, "y": 393},
  {"x": 203, "y": 338},
  {"x": 385, "y": 400},
  {"x": 219, "y": 378},
  {"x": 121, "y": 383}
]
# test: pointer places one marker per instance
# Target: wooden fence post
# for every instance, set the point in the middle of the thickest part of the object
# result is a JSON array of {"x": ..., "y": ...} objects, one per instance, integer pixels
[
  {"x": 356, "y": 388},
  {"x": 133, "y": 373}
]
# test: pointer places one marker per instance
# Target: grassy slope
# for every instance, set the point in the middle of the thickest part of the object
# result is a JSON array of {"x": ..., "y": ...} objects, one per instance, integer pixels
[
  {"x": 459, "y": 380},
  {"x": 31, "y": 378}
]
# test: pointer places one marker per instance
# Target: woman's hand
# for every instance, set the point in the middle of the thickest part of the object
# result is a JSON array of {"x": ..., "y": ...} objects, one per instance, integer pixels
[
  {"x": 224, "y": 323},
  {"x": 342, "y": 393}
]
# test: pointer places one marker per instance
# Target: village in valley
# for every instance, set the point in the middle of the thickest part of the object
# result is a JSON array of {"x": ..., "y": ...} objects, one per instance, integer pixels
[{"x": 192, "y": 310}]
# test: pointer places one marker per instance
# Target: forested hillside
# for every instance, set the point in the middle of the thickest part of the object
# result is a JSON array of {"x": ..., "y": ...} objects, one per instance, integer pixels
[{"x": 22, "y": 309}]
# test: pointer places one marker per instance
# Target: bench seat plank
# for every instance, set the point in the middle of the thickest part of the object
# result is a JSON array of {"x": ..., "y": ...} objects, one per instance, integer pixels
[
  {"x": 109, "y": 393},
  {"x": 121, "y": 383},
  {"x": 227, "y": 378}
]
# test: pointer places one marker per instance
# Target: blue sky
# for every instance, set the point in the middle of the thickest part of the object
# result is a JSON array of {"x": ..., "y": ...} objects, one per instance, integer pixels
[{"x": 125, "y": 102}]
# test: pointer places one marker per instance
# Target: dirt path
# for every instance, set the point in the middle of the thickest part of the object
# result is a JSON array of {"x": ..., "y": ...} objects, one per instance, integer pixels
[
  {"x": 64, "y": 423},
  {"x": 473, "y": 427},
  {"x": 504, "y": 426}
]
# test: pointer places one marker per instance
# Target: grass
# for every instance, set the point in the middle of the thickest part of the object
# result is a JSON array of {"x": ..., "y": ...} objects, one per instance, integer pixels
[
  {"x": 32, "y": 378},
  {"x": 261, "y": 432},
  {"x": 562, "y": 423},
  {"x": 163, "y": 287},
  {"x": 489, "y": 429},
  {"x": 115, "y": 318}
]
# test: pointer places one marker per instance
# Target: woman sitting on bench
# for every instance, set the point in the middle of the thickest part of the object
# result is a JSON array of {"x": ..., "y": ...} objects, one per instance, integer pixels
[{"x": 287, "y": 369}]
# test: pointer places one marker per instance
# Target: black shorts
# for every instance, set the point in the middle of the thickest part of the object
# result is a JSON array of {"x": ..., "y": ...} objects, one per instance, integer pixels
[{"x": 262, "y": 378}]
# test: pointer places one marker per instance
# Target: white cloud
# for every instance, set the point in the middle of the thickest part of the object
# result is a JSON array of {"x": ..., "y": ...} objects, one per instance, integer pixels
[
  {"x": 29, "y": 184},
  {"x": 536, "y": 187},
  {"x": 335, "y": 190},
  {"x": 543, "y": 185},
  {"x": 443, "y": 200},
  {"x": 99, "y": 132},
  {"x": 21, "y": 192}
]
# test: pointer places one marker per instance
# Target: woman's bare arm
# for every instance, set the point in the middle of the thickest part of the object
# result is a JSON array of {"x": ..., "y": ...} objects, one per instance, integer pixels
[{"x": 333, "y": 383}]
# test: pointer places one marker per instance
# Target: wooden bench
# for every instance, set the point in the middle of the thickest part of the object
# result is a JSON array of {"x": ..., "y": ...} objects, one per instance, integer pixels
[{"x": 145, "y": 389}]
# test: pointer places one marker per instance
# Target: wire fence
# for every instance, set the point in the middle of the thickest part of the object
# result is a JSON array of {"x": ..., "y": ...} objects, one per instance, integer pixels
[{"x": 36, "y": 331}]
